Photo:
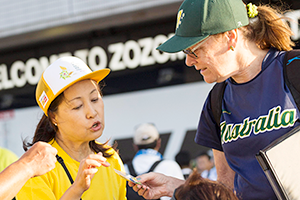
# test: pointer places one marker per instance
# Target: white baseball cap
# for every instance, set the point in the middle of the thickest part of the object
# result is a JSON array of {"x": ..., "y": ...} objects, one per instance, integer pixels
[
  {"x": 145, "y": 134},
  {"x": 62, "y": 74}
]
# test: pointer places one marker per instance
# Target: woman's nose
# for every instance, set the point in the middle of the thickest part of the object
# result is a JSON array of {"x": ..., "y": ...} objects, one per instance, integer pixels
[
  {"x": 91, "y": 111},
  {"x": 189, "y": 61}
]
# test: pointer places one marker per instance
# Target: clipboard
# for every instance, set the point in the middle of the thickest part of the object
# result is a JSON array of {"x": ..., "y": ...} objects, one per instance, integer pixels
[{"x": 280, "y": 162}]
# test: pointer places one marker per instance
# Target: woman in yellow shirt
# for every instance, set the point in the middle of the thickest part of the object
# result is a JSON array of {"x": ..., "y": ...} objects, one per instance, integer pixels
[{"x": 70, "y": 97}]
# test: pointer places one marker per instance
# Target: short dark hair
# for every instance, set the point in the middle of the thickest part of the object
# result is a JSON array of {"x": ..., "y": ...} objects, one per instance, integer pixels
[{"x": 148, "y": 146}]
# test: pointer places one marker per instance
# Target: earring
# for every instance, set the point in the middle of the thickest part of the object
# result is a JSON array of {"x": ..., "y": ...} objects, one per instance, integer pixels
[
  {"x": 231, "y": 48},
  {"x": 55, "y": 124}
]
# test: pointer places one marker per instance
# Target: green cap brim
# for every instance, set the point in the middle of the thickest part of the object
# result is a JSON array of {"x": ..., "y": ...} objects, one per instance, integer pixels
[{"x": 178, "y": 43}]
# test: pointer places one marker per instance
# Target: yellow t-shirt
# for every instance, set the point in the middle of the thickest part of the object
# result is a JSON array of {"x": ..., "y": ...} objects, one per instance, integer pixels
[
  {"x": 6, "y": 158},
  {"x": 106, "y": 184}
]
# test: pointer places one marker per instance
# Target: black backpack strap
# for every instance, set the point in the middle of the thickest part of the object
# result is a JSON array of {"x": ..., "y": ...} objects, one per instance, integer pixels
[
  {"x": 216, "y": 98},
  {"x": 130, "y": 168},
  {"x": 154, "y": 165},
  {"x": 291, "y": 71},
  {"x": 61, "y": 161}
]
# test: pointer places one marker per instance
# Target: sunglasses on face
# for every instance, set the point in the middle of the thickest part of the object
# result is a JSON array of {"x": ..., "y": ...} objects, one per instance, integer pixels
[{"x": 191, "y": 52}]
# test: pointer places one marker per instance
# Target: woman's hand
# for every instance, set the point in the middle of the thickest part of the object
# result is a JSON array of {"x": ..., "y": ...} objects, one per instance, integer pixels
[
  {"x": 87, "y": 170},
  {"x": 156, "y": 185},
  {"x": 39, "y": 159}
]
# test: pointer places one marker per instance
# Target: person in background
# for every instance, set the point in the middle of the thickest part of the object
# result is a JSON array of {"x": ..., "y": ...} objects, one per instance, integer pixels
[
  {"x": 183, "y": 158},
  {"x": 197, "y": 187},
  {"x": 6, "y": 158},
  {"x": 38, "y": 160},
  {"x": 147, "y": 144},
  {"x": 70, "y": 97},
  {"x": 205, "y": 166},
  {"x": 243, "y": 48}
]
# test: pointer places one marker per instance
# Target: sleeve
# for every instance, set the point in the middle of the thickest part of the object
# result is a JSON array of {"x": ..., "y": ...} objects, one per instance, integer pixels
[
  {"x": 208, "y": 132},
  {"x": 36, "y": 188}
]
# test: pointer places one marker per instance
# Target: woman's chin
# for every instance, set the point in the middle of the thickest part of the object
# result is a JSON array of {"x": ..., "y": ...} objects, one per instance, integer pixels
[{"x": 209, "y": 80}]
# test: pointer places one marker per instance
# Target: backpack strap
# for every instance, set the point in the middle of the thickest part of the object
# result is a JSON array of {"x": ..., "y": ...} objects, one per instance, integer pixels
[
  {"x": 130, "y": 168},
  {"x": 291, "y": 71},
  {"x": 216, "y": 98},
  {"x": 61, "y": 161},
  {"x": 154, "y": 165}
]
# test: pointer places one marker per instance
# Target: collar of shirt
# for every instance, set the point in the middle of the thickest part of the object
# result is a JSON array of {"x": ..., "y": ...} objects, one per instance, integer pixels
[{"x": 149, "y": 152}]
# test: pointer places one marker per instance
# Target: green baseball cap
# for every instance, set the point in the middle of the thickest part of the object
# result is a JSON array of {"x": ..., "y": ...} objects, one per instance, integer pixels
[{"x": 198, "y": 19}]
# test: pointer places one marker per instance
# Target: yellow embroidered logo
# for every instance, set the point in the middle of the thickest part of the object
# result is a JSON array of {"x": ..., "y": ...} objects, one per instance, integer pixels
[
  {"x": 180, "y": 16},
  {"x": 65, "y": 74}
]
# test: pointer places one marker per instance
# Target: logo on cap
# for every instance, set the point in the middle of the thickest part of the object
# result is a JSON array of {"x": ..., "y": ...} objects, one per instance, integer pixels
[
  {"x": 65, "y": 74},
  {"x": 180, "y": 16},
  {"x": 43, "y": 99}
]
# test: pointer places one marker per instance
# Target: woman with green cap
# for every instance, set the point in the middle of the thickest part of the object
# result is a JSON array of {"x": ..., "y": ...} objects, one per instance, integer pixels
[
  {"x": 243, "y": 45},
  {"x": 70, "y": 97}
]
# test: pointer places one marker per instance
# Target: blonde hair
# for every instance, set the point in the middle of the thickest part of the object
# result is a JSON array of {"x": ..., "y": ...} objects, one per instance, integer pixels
[{"x": 269, "y": 29}]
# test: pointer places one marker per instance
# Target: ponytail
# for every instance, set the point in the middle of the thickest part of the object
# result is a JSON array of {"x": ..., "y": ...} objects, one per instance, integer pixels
[
  {"x": 45, "y": 132},
  {"x": 269, "y": 29}
]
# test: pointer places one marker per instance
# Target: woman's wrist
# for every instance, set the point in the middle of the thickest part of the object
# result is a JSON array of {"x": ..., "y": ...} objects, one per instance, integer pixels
[
  {"x": 73, "y": 192},
  {"x": 27, "y": 169},
  {"x": 173, "y": 184}
]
